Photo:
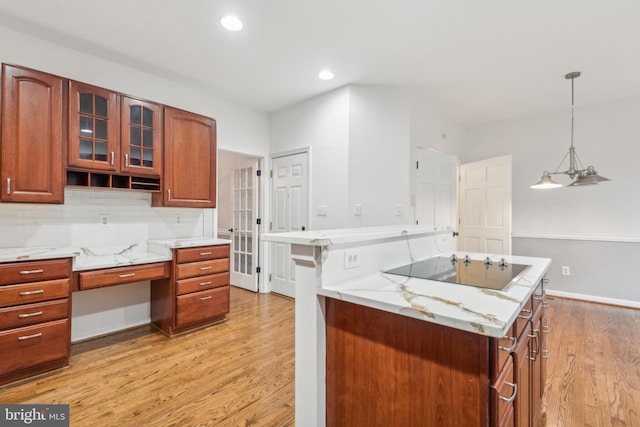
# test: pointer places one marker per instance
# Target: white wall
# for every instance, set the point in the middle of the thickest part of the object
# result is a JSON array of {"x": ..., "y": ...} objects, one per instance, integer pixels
[
  {"x": 131, "y": 216},
  {"x": 321, "y": 123},
  {"x": 379, "y": 155},
  {"x": 605, "y": 136}
]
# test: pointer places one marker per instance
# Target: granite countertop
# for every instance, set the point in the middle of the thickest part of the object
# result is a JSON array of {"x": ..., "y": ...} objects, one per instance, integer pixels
[
  {"x": 107, "y": 256},
  {"x": 478, "y": 310}
]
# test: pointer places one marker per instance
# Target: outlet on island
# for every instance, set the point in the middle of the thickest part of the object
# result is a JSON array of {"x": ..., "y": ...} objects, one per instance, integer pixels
[{"x": 351, "y": 258}]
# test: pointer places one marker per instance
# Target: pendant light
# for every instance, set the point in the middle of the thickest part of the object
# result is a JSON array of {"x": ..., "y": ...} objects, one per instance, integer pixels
[{"x": 582, "y": 175}]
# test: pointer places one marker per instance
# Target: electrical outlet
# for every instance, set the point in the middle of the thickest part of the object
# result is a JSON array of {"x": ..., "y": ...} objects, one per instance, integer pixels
[
  {"x": 178, "y": 218},
  {"x": 357, "y": 209},
  {"x": 351, "y": 258},
  {"x": 566, "y": 271},
  {"x": 104, "y": 220},
  {"x": 398, "y": 210},
  {"x": 321, "y": 210}
]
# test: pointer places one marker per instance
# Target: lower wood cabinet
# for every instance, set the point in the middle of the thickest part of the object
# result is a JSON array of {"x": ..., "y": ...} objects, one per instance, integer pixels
[
  {"x": 35, "y": 324},
  {"x": 196, "y": 293},
  {"x": 387, "y": 369}
]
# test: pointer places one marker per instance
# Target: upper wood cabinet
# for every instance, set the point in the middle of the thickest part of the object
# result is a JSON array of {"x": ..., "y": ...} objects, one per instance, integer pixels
[
  {"x": 141, "y": 142},
  {"x": 189, "y": 178},
  {"x": 31, "y": 148},
  {"x": 93, "y": 127}
]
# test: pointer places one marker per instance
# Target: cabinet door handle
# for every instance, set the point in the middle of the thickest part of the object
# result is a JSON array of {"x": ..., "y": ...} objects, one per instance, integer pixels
[
  {"x": 126, "y": 160},
  {"x": 205, "y": 253},
  {"x": 205, "y": 268},
  {"x": 113, "y": 158},
  {"x": 24, "y": 293},
  {"x": 205, "y": 283},
  {"x": 8, "y": 185},
  {"x": 513, "y": 396},
  {"x": 122, "y": 276},
  {"x": 25, "y": 315},
  {"x": 28, "y": 337},
  {"x": 40, "y": 270},
  {"x": 169, "y": 194},
  {"x": 509, "y": 349},
  {"x": 525, "y": 317},
  {"x": 205, "y": 298}
]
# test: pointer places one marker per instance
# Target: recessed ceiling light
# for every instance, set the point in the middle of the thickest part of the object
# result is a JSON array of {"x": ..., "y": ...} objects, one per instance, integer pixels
[
  {"x": 231, "y": 23},
  {"x": 325, "y": 75}
]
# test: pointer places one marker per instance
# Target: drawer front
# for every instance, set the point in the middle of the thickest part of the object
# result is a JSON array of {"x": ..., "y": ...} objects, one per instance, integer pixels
[
  {"x": 202, "y": 283},
  {"x": 503, "y": 393},
  {"x": 202, "y": 253},
  {"x": 503, "y": 348},
  {"x": 120, "y": 275},
  {"x": 523, "y": 317},
  {"x": 34, "y": 271},
  {"x": 202, "y": 268},
  {"x": 33, "y": 345},
  {"x": 33, "y": 292},
  {"x": 28, "y": 314},
  {"x": 200, "y": 306}
]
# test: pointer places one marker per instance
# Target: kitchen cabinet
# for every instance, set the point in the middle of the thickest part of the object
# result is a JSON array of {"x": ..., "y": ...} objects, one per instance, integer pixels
[
  {"x": 197, "y": 292},
  {"x": 429, "y": 374},
  {"x": 32, "y": 166},
  {"x": 189, "y": 174},
  {"x": 35, "y": 325},
  {"x": 93, "y": 127},
  {"x": 141, "y": 140}
]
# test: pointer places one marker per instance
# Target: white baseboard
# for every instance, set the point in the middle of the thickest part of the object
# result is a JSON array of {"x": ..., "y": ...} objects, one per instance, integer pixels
[{"x": 593, "y": 298}]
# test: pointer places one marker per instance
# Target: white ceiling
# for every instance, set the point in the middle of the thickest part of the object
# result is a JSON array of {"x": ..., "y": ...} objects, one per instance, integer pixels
[{"x": 478, "y": 60}]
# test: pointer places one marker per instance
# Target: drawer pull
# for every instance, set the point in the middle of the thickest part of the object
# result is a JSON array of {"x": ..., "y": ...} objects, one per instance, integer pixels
[
  {"x": 40, "y": 270},
  {"x": 546, "y": 304},
  {"x": 509, "y": 349},
  {"x": 24, "y": 293},
  {"x": 545, "y": 354},
  {"x": 28, "y": 337},
  {"x": 525, "y": 317},
  {"x": 206, "y": 268},
  {"x": 546, "y": 329},
  {"x": 25, "y": 315},
  {"x": 122, "y": 276},
  {"x": 205, "y": 253},
  {"x": 205, "y": 298},
  {"x": 205, "y": 283},
  {"x": 513, "y": 396}
]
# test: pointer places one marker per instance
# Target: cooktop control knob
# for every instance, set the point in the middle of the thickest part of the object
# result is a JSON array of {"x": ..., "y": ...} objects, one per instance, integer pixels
[
  {"x": 454, "y": 258},
  {"x": 467, "y": 260},
  {"x": 503, "y": 264},
  {"x": 487, "y": 262}
]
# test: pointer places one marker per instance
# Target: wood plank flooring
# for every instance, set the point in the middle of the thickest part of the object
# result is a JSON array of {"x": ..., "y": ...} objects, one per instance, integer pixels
[
  {"x": 237, "y": 373},
  {"x": 241, "y": 372}
]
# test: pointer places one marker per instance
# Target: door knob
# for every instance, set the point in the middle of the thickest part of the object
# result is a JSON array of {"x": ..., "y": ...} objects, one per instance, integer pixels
[
  {"x": 230, "y": 230},
  {"x": 304, "y": 228}
]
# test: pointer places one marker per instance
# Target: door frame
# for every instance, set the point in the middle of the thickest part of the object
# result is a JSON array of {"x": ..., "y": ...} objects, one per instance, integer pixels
[
  {"x": 258, "y": 212},
  {"x": 269, "y": 188}
]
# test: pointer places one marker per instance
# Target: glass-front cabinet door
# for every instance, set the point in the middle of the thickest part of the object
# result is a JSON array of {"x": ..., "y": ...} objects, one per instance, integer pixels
[
  {"x": 141, "y": 124},
  {"x": 93, "y": 127}
]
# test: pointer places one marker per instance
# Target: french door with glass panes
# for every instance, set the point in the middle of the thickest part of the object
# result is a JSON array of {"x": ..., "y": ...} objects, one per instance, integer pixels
[{"x": 245, "y": 228}]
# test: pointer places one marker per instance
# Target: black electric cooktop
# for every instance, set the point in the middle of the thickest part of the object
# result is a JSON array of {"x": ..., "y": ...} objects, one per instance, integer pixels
[{"x": 498, "y": 275}]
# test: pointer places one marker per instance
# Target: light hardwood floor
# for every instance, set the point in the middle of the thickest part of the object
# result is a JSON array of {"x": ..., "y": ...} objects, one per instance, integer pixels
[{"x": 241, "y": 373}]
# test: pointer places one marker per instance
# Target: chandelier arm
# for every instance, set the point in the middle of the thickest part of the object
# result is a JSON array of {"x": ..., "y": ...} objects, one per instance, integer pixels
[
  {"x": 579, "y": 163},
  {"x": 558, "y": 168}
]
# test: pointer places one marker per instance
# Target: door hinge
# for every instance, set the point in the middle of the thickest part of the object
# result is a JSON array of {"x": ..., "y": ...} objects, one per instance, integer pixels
[
  {"x": 257, "y": 269},
  {"x": 258, "y": 221},
  {"x": 270, "y": 226},
  {"x": 269, "y": 276},
  {"x": 417, "y": 165},
  {"x": 258, "y": 172},
  {"x": 271, "y": 174}
]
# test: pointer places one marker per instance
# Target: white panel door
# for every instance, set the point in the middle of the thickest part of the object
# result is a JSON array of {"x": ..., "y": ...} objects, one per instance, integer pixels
[
  {"x": 485, "y": 206},
  {"x": 435, "y": 200},
  {"x": 244, "y": 230},
  {"x": 289, "y": 212}
]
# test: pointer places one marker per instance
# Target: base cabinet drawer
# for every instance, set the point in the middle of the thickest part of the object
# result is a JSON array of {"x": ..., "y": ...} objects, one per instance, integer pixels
[
  {"x": 201, "y": 306},
  {"x": 202, "y": 283},
  {"x": 121, "y": 275},
  {"x": 33, "y": 292},
  {"x": 32, "y": 271},
  {"x": 28, "y": 314},
  {"x": 201, "y": 268},
  {"x": 201, "y": 253},
  {"x": 34, "y": 345}
]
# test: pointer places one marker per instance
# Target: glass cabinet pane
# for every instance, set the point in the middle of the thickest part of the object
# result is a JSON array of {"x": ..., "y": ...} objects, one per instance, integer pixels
[
  {"x": 101, "y": 106},
  {"x": 135, "y": 157},
  {"x": 86, "y": 103},
  {"x": 147, "y": 158},
  {"x": 135, "y": 136},
  {"x": 101, "y": 151},
  {"x": 134, "y": 115},
  {"x": 86, "y": 149},
  {"x": 86, "y": 126},
  {"x": 147, "y": 118},
  {"x": 101, "y": 129},
  {"x": 147, "y": 138}
]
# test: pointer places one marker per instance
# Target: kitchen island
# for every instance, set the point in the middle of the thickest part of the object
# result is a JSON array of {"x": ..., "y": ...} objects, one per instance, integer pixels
[{"x": 374, "y": 348}]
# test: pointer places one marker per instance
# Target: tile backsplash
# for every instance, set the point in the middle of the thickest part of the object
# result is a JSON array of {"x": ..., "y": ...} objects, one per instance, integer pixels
[{"x": 98, "y": 217}]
